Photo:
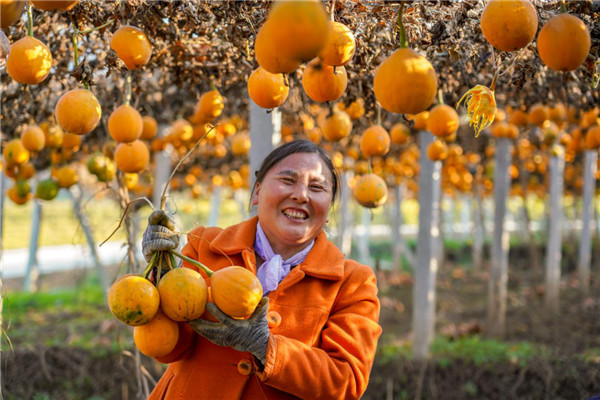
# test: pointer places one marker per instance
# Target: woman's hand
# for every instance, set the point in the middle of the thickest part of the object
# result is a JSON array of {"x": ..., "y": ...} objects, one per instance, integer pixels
[
  {"x": 160, "y": 235},
  {"x": 251, "y": 335}
]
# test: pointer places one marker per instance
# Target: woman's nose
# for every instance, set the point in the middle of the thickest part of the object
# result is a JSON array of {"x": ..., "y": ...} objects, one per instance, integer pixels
[{"x": 300, "y": 192}]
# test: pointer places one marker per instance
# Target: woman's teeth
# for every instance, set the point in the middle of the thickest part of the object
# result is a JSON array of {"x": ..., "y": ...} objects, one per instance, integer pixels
[{"x": 295, "y": 214}]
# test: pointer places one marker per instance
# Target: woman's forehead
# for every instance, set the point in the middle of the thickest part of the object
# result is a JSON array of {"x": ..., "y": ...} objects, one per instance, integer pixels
[{"x": 303, "y": 163}]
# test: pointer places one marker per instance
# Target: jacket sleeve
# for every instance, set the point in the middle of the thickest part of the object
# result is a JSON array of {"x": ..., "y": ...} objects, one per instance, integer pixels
[
  {"x": 187, "y": 336},
  {"x": 339, "y": 367}
]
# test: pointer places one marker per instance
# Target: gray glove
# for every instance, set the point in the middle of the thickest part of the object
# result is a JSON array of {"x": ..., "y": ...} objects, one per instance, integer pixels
[
  {"x": 160, "y": 235},
  {"x": 251, "y": 335}
]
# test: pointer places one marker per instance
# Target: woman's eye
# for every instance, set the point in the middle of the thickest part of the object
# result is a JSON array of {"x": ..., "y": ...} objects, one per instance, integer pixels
[
  {"x": 317, "y": 187},
  {"x": 286, "y": 179}
]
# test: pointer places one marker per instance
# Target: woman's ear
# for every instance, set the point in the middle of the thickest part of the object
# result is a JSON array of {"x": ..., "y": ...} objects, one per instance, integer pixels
[{"x": 255, "y": 194}]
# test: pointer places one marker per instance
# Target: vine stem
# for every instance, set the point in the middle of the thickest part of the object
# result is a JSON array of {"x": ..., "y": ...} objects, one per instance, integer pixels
[
  {"x": 198, "y": 264},
  {"x": 76, "y": 51},
  {"x": 96, "y": 28},
  {"x": 150, "y": 265},
  {"x": 128, "y": 87},
  {"x": 332, "y": 11},
  {"x": 163, "y": 197},
  {"x": 400, "y": 27},
  {"x": 29, "y": 20}
]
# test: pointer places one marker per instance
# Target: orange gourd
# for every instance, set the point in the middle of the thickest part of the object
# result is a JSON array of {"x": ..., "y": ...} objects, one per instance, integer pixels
[
  {"x": 375, "y": 141},
  {"x": 66, "y": 176},
  {"x": 131, "y": 181},
  {"x": 370, "y": 190},
  {"x": 16, "y": 197},
  {"x": 181, "y": 130},
  {"x": 405, "y": 83},
  {"x": 125, "y": 124},
  {"x": 26, "y": 171},
  {"x": 505, "y": 130},
  {"x": 209, "y": 107},
  {"x": 437, "y": 150},
  {"x": 236, "y": 291},
  {"x": 10, "y": 12},
  {"x": 240, "y": 144},
  {"x": 158, "y": 337},
  {"x": 132, "y": 157},
  {"x": 53, "y": 135},
  {"x": 564, "y": 42},
  {"x": 78, "y": 111},
  {"x": 183, "y": 294},
  {"x": 29, "y": 61},
  {"x": 33, "y": 138},
  {"x": 266, "y": 89},
  {"x": 519, "y": 118},
  {"x": 71, "y": 142},
  {"x": 267, "y": 55},
  {"x": 592, "y": 138},
  {"x": 558, "y": 113},
  {"x": 300, "y": 29},
  {"x": 538, "y": 113},
  {"x": 132, "y": 46},
  {"x": 336, "y": 126},
  {"x": 133, "y": 300},
  {"x": 340, "y": 46},
  {"x": 323, "y": 82},
  {"x": 509, "y": 25},
  {"x": 355, "y": 109},
  {"x": 443, "y": 121},
  {"x": 400, "y": 133},
  {"x": 149, "y": 127},
  {"x": 419, "y": 120},
  {"x": 15, "y": 153}
]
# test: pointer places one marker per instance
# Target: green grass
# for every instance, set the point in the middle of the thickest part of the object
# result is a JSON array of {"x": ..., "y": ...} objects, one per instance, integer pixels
[{"x": 474, "y": 349}]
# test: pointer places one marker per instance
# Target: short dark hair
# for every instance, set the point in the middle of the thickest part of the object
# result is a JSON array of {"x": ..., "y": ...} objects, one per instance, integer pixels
[{"x": 293, "y": 147}]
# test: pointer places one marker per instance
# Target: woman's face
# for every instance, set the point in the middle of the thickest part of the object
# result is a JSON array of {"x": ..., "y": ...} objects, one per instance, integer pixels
[{"x": 293, "y": 202}]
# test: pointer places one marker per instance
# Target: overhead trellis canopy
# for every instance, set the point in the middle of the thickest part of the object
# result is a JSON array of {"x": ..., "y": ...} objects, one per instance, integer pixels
[{"x": 199, "y": 42}]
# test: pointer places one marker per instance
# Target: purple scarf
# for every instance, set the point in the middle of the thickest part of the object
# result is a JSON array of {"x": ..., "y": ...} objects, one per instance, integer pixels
[{"x": 274, "y": 269}]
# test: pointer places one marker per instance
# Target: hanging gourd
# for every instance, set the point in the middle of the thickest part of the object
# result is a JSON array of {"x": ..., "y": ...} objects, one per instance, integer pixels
[
  {"x": 509, "y": 25},
  {"x": 29, "y": 60},
  {"x": 405, "y": 83},
  {"x": 564, "y": 42}
]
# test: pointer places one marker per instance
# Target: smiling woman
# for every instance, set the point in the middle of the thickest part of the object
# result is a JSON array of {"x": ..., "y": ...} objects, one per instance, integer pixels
[{"x": 326, "y": 306}]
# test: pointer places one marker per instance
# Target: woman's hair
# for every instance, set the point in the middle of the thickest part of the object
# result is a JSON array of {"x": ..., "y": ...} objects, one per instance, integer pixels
[{"x": 293, "y": 147}]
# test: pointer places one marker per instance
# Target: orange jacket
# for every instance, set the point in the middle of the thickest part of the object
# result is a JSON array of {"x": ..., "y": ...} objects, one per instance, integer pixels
[{"x": 323, "y": 348}]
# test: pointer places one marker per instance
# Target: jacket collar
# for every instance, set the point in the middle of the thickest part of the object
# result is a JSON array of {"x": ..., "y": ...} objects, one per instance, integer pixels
[{"x": 324, "y": 261}]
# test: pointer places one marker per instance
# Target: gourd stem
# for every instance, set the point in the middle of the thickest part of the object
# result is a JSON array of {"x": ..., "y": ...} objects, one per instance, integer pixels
[
  {"x": 378, "y": 114},
  {"x": 400, "y": 27},
  {"x": 29, "y": 20},
  {"x": 493, "y": 84},
  {"x": 150, "y": 265},
  {"x": 76, "y": 32},
  {"x": 440, "y": 97},
  {"x": 96, "y": 28},
  {"x": 198, "y": 264},
  {"x": 128, "y": 88},
  {"x": 563, "y": 6},
  {"x": 332, "y": 11}
]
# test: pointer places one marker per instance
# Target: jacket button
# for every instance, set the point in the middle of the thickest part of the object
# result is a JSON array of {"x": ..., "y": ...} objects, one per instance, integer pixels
[
  {"x": 245, "y": 367},
  {"x": 274, "y": 319}
]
